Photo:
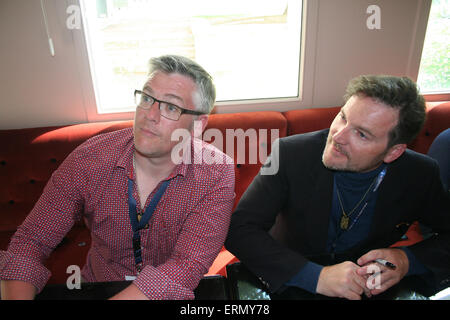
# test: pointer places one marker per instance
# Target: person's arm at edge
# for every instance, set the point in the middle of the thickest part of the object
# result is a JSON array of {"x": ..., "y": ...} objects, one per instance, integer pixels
[
  {"x": 17, "y": 290},
  {"x": 132, "y": 292}
]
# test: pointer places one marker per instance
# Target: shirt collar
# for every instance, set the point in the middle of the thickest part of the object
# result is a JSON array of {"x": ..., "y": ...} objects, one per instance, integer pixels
[{"x": 125, "y": 161}]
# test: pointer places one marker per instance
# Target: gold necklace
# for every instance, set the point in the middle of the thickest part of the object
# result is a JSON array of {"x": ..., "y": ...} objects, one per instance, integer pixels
[{"x": 345, "y": 219}]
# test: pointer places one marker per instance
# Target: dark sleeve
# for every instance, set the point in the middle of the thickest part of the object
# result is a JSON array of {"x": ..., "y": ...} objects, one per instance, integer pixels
[
  {"x": 440, "y": 151},
  {"x": 307, "y": 278},
  {"x": 434, "y": 252},
  {"x": 249, "y": 239}
]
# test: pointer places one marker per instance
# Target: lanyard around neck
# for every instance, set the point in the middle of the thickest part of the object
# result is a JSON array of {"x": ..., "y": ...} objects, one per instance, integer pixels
[{"x": 136, "y": 224}]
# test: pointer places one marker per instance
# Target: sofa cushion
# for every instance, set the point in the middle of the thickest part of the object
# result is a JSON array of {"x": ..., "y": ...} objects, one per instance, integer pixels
[
  {"x": 248, "y": 153},
  {"x": 307, "y": 120},
  {"x": 438, "y": 119},
  {"x": 28, "y": 157}
]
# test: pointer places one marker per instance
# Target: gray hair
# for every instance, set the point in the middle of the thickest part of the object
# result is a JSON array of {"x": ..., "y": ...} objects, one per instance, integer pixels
[{"x": 206, "y": 91}]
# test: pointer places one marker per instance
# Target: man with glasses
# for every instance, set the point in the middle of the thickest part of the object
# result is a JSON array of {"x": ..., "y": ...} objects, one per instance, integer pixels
[{"x": 151, "y": 220}]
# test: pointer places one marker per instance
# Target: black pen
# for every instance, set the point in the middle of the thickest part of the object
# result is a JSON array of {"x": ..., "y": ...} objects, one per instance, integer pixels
[{"x": 386, "y": 263}]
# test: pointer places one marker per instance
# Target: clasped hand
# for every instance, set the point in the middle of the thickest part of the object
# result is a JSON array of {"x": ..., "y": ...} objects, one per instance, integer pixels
[{"x": 350, "y": 280}]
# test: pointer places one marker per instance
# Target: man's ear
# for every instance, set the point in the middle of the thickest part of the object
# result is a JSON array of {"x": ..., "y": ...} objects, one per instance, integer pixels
[{"x": 394, "y": 152}]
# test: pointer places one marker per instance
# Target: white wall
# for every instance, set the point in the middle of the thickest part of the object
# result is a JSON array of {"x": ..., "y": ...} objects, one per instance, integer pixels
[
  {"x": 347, "y": 48},
  {"x": 39, "y": 90},
  {"x": 35, "y": 88}
]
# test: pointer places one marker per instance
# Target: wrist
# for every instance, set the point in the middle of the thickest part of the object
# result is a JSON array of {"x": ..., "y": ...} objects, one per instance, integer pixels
[
  {"x": 132, "y": 292},
  {"x": 17, "y": 290}
]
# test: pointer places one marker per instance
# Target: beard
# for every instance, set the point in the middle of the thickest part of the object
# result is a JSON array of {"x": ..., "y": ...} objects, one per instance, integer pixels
[{"x": 347, "y": 162}]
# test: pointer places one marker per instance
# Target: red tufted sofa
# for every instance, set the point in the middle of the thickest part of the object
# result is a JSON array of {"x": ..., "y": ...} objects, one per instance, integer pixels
[{"x": 29, "y": 156}]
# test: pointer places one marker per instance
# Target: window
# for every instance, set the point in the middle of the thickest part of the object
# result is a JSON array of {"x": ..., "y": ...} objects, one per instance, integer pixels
[
  {"x": 251, "y": 47},
  {"x": 434, "y": 72}
]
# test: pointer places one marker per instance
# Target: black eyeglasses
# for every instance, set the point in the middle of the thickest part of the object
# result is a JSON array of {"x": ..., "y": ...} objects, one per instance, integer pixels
[{"x": 167, "y": 110}]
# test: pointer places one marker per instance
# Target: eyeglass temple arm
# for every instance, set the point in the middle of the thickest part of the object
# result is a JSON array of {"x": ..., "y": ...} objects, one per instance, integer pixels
[{"x": 192, "y": 112}]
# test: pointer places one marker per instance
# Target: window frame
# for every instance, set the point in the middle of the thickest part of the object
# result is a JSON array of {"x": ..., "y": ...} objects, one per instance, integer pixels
[
  {"x": 431, "y": 95},
  {"x": 305, "y": 89},
  {"x": 437, "y": 97}
]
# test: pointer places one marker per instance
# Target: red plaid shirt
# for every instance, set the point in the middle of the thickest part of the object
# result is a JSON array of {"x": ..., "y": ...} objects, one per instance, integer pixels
[{"x": 185, "y": 234}]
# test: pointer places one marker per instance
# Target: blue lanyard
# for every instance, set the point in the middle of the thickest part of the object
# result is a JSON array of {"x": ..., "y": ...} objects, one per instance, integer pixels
[
  {"x": 136, "y": 224},
  {"x": 379, "y": 179}
]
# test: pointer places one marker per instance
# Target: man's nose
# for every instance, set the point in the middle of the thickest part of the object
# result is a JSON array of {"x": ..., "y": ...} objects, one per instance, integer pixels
[
  {"x": 153, "y": 113},
  {"x": 340, "y": 135}
]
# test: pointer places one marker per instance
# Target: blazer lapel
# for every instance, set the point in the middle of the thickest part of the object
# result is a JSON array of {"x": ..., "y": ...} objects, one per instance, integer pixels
[
  {"x": 384, "y": 215},
  {"x": 320, "y": 205}
]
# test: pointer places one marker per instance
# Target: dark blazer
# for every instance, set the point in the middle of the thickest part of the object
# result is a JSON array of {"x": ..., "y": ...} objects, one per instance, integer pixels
[{"x": 282, "y": 219}]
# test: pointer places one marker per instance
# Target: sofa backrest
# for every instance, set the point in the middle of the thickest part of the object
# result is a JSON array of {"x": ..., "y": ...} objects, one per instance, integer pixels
[
  {"x": 438, "y": 120},
  {"x": 308, "y": 120},
  {"x": 247, "y": 137},
  {"x": 29, "y": 156}
]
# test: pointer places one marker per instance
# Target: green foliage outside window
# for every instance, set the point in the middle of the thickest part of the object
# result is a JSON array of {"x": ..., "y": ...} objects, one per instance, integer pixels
[{"x": 434, "y": 73}]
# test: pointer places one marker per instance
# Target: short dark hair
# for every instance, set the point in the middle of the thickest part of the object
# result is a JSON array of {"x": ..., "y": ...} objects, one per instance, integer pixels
[{"x": 397, "y": 92}]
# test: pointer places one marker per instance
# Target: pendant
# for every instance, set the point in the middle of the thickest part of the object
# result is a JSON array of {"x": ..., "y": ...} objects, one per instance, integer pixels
[{"x": 344, "y": 222}]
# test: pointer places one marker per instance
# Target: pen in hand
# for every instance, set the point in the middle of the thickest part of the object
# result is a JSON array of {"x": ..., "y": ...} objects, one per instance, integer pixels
[{"x": 386, "y": 263}]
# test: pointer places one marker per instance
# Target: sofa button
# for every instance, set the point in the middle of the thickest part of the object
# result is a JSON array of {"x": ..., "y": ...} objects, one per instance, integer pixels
[
  {"x": 53, "y": 160},
  {"x": 3, "y": 163},
  {"x": 238, "y": 165},
  {"x": 11, "y": 202},
  {"x": 32, "y": 181}
]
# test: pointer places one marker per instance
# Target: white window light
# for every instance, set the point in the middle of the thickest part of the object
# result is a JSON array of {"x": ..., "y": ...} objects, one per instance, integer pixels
[
  {"x": 434, "y": 71},
  {"x": 251, "y": 47}
]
